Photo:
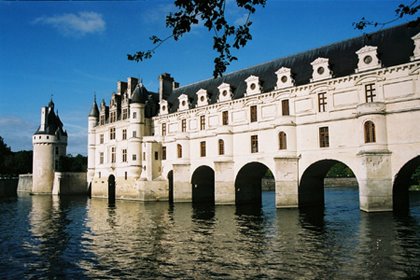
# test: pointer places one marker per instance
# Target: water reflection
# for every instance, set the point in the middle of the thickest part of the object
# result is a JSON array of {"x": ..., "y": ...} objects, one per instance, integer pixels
[{"x": 83, "y": 238}]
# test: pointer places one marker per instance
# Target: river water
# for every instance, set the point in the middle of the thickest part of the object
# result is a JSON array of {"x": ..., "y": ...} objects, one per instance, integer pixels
[{"x": 81, "y": 238}]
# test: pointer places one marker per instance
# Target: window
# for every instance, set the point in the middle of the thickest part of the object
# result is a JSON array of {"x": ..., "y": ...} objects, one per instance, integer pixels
[
  {"x": 285, "y": 107},
  {"x": 99, "y": 174},
  {"x": 203, "y": 149},
  {"x": 370, "y": 92},
  {"x": 101, "y": 139},
  {"x": 124, "y": 134},
  {"x": 179, "y": 150},
  {"x": 370, "y": 132},
  {"x": 113, "y": 117},
  {"x": 125, "y": 175},
  {"x": 134, "y": 134},
  {"x": 156, "y": 155},
  {"x": 163, "y": 153},
  {"x": 112, "y": 133},
  {"x": 144, "y": 155},
  {"x": 134, "y": 157},
  {"x": 101, "y": 158},
  {"x": 282, "y": 141},
  {"x": 202, "y": 122},
  {"x": 253, "y": 112},
  {"x": 124, "y": 155},
  {"x": 163, "y": 129},
  {"x": 322, "y": 102},
  {"x": 225, "y": 117},
  {"x": 184, "y": 125},
  {"x": 221, "y": 147},
  {"x": 113, "y": 156},
  {"x": 324, "y": 137},
  {"x": 125, "y": 113},
  {"x": 254, "y": 143},
  {"x": 102, "y": 119},
  {"x": 134, "y": 115}
]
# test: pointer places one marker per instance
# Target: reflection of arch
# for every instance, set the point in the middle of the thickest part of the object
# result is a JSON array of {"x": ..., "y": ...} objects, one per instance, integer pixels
[
  {"x": 111, "y": 188},
  {"x": 311, "y": 187},
  {"x": 202, "y": 182},
  {"x": 248, "y": 183},
  {"x": 401, "y": 184},
  {"x": 171, "y": 186}
]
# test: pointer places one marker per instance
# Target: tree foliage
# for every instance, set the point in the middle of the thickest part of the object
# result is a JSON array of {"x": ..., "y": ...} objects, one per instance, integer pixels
[
  {"x": 212, "y": 14},
  {"x": 14, "y": 163},
  {"x": 403, "y": 10},
  {"x": 339, "y": 170},
  {"x": 73, "y": 164}
]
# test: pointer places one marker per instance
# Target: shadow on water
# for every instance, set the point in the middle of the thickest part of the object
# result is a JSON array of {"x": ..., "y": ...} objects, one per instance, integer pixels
[
  {"x": 312, "y": 217},
  {"x": 203, "y": 211}
]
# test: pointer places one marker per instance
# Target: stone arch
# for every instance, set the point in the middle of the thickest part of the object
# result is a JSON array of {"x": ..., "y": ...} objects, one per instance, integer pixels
[
  {"x": 248, "y": 188},
  {"x": 402, "y": 180},
  {"x": 170, "y": 186},
  {"x": 311, "y": 187},
  {"x": 111, "y": 189},
  {"x": 202, "y": 182}
]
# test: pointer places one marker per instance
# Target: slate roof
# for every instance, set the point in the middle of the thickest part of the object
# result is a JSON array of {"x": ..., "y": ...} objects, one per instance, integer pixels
[
  {"x": 395, "y": 47},
  {"x": 54, "y": 124}
]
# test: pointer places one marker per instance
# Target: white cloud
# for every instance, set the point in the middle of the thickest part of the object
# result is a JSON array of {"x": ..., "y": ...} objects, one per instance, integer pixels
[{"x": 77, "y": 25}]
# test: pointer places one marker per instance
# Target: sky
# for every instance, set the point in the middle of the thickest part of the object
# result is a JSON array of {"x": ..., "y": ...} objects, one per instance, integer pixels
[{"x": 72, "y": 50}]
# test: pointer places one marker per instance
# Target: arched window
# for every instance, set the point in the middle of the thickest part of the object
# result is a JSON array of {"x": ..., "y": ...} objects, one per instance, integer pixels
[
  {"x": 370, "y": 132},
  {"x": 221, "y": 147},
  {"x": 179, "y": 149},
  {"x": 282, "y": 141}
]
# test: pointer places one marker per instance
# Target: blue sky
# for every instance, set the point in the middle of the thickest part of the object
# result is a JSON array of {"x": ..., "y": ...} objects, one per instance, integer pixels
[{"x": 73, "y": 49}]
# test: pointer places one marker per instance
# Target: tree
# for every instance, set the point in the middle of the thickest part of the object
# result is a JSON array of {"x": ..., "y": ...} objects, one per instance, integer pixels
[
  {"x": 73, "y": 164},
  {"x": 212, "y": 14},
  {"x": 401, "y": 11}
]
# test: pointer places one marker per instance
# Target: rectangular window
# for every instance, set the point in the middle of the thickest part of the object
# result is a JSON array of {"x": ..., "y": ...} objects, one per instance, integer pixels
[
  {"x": 125, "y": 113},
  {"x": 124, "y": 134},
  {"x": 225, "y": 117},
  {"x": 203, "y": 149},
  {"x": 370, "y": 92},
  {"x": 254, "y": 143},
  {"x": 144, "y": 156},
  {"x": 101, "y": 139},
  {"x": 99, "y": 174},
  {"x": 101, "y": 158},
  {"x": 124, "y": 155},
  {"x": 184, "y": 125},
  {"x": 134, "y": 157},
  {"x": 285, "y": 107},
  {"x": 163, "y": 153},
  {"x": 113, "y": 117},
  {"x": 102, "y": 120},
  {"x": 134, "y": 115},
  {"x": 322, "y": 102},
  {"x": 125, "y": 175},
  {"x": 113, "y": 156},
  {"x": 156, "y": 155},
  {"x": 163, "y": 129},
  {"x": 179, "y": 150},
  {"x": 134, "y": 134},
  {"x": 324, "y": 137},
  {"x": 202, "y": 122},
  {"x": 253, "y": 112},
  {"x": 112, "y": 133}
]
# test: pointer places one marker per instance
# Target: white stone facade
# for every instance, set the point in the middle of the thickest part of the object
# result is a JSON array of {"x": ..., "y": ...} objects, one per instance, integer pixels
[{"x": 228, "y": 131}]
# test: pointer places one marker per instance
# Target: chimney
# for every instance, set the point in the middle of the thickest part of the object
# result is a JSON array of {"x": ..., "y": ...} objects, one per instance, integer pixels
[
  {"x": 166, "y": 85},
  {"x": 44, "y": 121},
  {"x": 132, "y": 82},
  {"x": 121, "y": 87}
]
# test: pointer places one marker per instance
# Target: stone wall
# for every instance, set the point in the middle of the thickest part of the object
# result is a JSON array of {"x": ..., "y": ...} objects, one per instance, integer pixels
[
  {"x": 25, "y": 183},
  {"x": 340, "y": 182},
  {"x": 8, "y": 187},
  {"x": 69, "y": 183}
]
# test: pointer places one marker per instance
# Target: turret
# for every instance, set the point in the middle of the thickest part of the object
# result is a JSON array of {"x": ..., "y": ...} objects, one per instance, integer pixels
[
  {"x": 49, "y": 144},
  {"x": 93, "y": 122}
]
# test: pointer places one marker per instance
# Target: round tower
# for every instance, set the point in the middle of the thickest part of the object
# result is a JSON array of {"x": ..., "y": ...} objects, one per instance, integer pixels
[
  {"x": 92, "y": 123},
  {"x": 49, "y": 144}
]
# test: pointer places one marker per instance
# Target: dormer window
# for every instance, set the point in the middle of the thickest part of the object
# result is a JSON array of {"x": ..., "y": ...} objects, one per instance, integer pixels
[
  {"x": 284, "y": 78},
  {"x": 225, "y": 92},
  {"x": 253, "y": 85},
  {"x": 368, "y": 58},
  {"x": 183, "y": 102},
  {"x": 163, "y": 107},
  {"x": 202, "y": 98},
  {"x": 321, "y": 69},
  {"x": 416, "y": 51}
]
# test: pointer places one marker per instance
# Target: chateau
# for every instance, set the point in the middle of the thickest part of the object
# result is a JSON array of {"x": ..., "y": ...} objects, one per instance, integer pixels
[{"x": 356, "y": 102}]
